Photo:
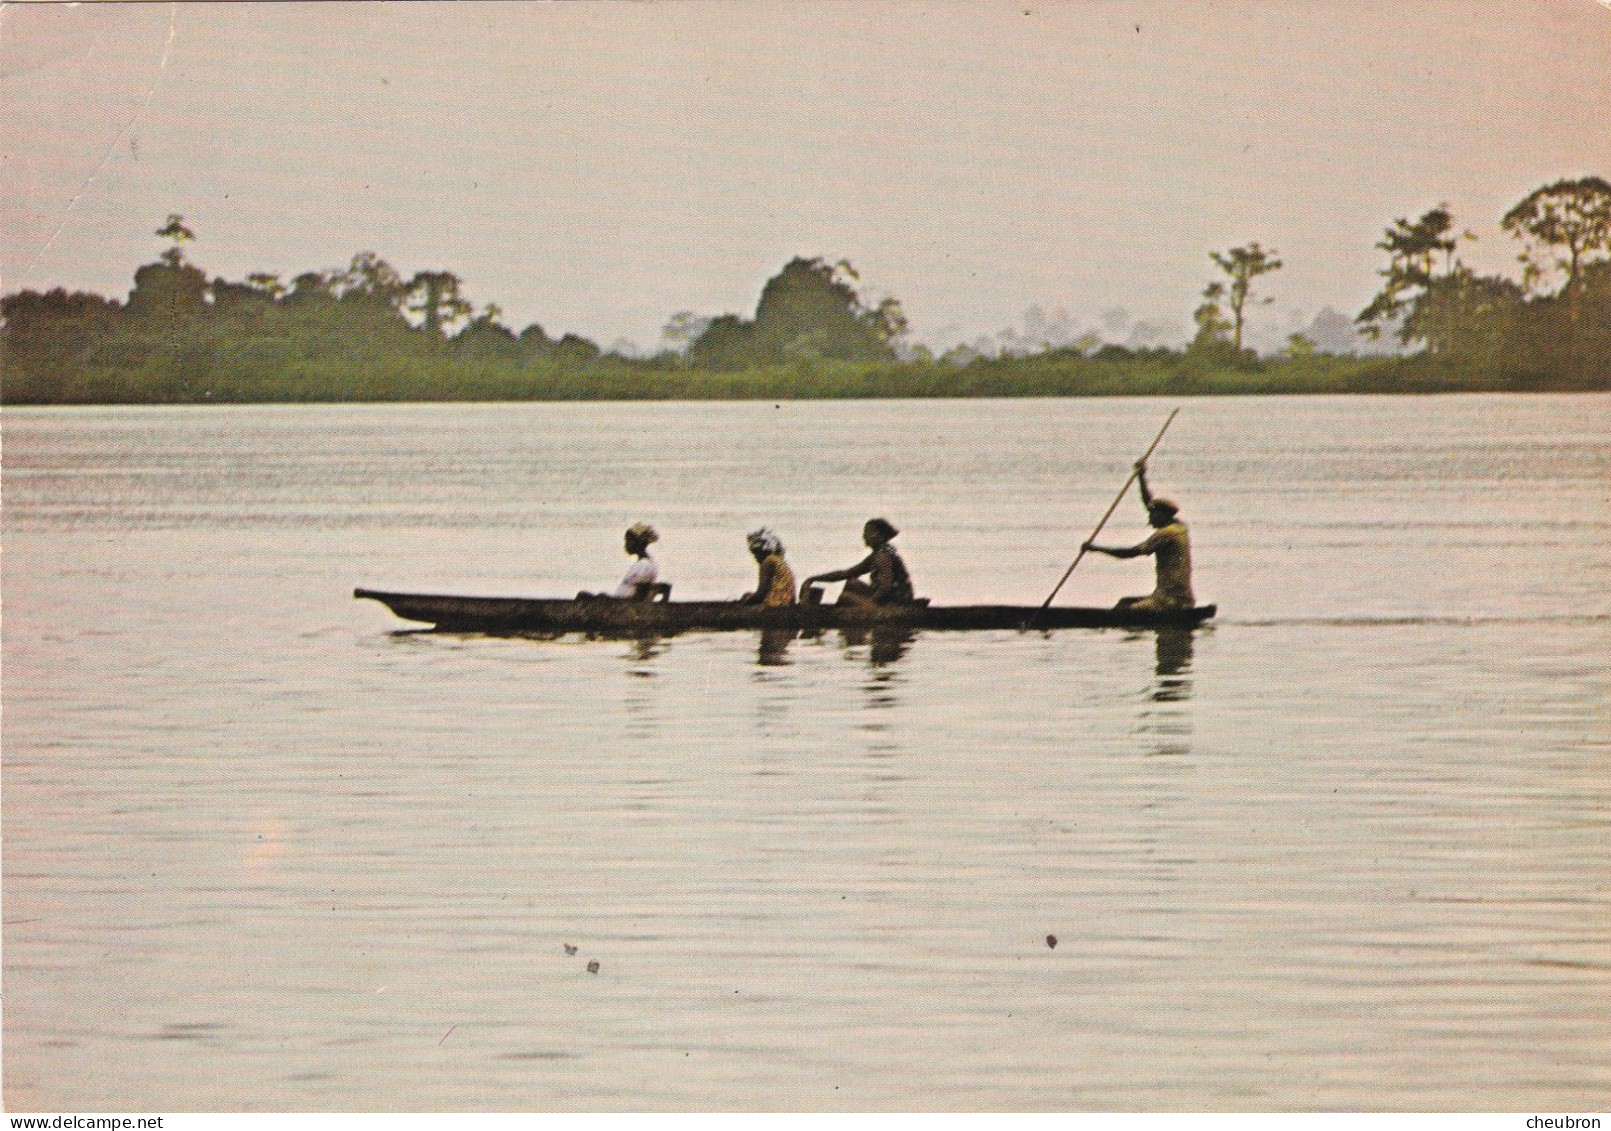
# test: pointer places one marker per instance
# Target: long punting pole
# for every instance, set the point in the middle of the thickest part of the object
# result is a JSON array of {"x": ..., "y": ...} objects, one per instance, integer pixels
[{"x": 1116, "y": 500}]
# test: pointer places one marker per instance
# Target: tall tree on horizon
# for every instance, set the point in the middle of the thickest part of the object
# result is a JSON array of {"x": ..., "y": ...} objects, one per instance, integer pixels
[
  {"x": 170, "y": 287},
  {"x": 370, "y": 279},
  {"x": 1414, "y": 250},
  {"x": 1562, "y": 224},
  {"x": 176, "y": 231},
  {"x": 436, "y": 297},
  {"x": 1243, "y": 265}
]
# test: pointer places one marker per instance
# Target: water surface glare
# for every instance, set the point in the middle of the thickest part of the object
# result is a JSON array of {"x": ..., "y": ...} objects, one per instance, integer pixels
[{"x": 1346, "y": 849}]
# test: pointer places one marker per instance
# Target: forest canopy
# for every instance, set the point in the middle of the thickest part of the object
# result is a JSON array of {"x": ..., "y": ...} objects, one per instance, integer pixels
[{"x": 363, "y": 332}]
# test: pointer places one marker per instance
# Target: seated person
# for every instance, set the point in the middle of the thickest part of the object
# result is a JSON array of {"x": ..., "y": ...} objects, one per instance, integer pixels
[
  {"x": 642, "y": 581},
  {"x": 1170, "y": 544},
  {"x": 775, "y": 584},
  {"x": 888, "y": 582}
]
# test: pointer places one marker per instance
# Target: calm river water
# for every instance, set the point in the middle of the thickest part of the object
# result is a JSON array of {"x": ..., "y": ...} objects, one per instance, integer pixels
[{"x": 1347, "y": 849}]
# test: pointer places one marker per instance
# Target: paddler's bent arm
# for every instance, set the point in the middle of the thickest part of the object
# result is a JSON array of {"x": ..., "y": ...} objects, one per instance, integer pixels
[
  {"x": 857, "y": 570},
  {"x": 1140, "y": 549}
]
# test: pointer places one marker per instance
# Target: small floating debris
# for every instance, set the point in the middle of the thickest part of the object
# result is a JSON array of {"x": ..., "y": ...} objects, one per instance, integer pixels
[
  {"x": 569, "y": 949},
  {"x": 1051, "y": 941},
  {"x": 593, "y": 967}
]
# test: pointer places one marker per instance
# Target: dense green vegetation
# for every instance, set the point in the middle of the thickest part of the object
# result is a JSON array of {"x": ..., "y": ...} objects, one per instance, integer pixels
[{"x": 364, "y": 333}]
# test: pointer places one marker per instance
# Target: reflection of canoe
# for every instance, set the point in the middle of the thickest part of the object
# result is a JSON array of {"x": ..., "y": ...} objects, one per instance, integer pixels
[{"x": 638, "y": 618}]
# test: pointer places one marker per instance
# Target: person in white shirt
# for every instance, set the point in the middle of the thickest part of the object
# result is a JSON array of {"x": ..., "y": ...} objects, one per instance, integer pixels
[{"x": 642, "y": 580}]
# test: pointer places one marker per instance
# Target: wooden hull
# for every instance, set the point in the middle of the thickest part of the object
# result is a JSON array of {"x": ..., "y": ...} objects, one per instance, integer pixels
[{"x": 661, "y": 618}]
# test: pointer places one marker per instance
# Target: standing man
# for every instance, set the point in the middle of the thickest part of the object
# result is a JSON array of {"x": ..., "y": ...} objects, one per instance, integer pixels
[{"x": 1169, "y": 543}]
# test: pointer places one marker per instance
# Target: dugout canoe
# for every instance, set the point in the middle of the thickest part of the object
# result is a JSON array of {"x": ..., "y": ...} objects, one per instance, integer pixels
[{"x": 651, "y": 618}]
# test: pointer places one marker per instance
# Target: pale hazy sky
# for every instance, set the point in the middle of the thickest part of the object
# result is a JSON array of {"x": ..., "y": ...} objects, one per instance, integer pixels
[{"x": 598, "y": 166}]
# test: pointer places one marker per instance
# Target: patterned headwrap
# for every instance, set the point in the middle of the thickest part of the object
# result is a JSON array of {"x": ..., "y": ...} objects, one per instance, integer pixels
[
  {"x": 765, "y": 541},
  {"x": 642, "y": 532}
]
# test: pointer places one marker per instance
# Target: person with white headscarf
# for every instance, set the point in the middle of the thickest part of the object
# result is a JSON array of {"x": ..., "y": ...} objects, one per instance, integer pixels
[
  {"x": 775, "y": 585},
  {"x": 642, "y": 581}
]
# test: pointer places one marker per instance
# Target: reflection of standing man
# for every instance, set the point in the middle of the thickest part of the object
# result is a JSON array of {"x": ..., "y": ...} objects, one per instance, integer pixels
[
  {"x": 1173, "y": 653},
  {"x": 1169, "y": 543}
]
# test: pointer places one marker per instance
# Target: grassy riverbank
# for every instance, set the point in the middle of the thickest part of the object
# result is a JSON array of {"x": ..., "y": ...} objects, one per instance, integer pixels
[{"x": 232, "y": 377}]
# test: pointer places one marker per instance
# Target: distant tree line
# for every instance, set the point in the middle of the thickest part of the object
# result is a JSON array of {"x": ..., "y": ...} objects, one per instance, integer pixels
[
  {"x": 179, "y": 332},
  {"x": 364, "y": 332}
]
